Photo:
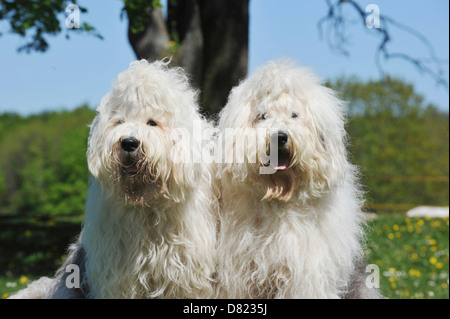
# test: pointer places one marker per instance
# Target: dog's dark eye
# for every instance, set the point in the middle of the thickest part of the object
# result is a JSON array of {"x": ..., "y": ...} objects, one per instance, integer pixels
[
  {"x": 152, "y": 123},
  {"x": 294, "y": 115},
  {"x": 262, "y": 116},
  {"x": 119, "y": 122}
]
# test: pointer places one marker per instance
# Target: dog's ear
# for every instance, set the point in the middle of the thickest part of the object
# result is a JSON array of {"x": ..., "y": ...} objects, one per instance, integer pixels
[
  {"x": 237, "y": 111},
  {"x": 96, "y": 143},
  {"x": 180, "y": 168},
  {"x": 93, "y": 150},
  {"x": 331, "y": 135}
]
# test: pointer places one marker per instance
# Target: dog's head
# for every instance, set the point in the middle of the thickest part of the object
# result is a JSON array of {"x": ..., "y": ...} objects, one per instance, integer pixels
[
  {"x": 133, "y": 147},
  {"x": 295, "y": 144}
]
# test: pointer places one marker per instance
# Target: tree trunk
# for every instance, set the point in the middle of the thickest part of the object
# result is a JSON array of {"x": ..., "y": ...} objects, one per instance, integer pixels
[
  {"x": 151, "y": 42},
  {"x": 225, "y": 51},
  {"x": 213, "y": 38},
  {"x": 184, "y": 23}
]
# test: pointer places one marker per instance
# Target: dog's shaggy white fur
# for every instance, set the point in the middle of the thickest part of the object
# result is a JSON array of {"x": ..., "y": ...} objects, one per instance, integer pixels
[
  {"x": 150, "y": 231},
  {"x": 150, "y": 222},
  {"x": 295, "y": 233},
  {"x": 35, "y": 290}
]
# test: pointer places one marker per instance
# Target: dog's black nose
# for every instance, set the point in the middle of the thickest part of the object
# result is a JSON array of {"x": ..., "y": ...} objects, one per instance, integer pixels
[
  {"x": 129, "y": 144},
  {"x": 282, "y": 138}
]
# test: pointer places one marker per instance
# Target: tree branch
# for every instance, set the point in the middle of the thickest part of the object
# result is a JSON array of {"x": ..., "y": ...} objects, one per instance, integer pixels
[{"x": 336, "y": 20}]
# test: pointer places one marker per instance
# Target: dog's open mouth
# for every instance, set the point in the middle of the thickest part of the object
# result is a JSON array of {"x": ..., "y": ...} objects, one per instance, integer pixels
[
  {"x": 284, "y": 159},
  {"x": 130, "y": 167}
]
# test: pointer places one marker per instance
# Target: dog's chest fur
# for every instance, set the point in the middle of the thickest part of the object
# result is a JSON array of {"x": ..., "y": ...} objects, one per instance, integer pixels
[
  {"x": 281, "y": 249},
  {"x": 141, "y": 253}
]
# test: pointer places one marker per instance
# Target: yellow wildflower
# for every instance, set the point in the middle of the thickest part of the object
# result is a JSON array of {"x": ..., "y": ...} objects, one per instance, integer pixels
[
  {"x": 23, "y": 280},
  {"x": 28, "y": 233},
  {"x": 172, "y": 44},
  {"x": 439, "y": 265},
  {"x": 391, "y": 236},
  {"x": 5, "y": 295},
  {"x": 415, "y": 256},
  {"x": 436, "y": 223},
  {"x": 433, "y": 260},
  {"x": 414, "y": 273},
  {"x": 396, "y": 227}
]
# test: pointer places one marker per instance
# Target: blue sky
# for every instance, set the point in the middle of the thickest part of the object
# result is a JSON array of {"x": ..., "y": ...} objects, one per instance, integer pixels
[{"x": 81, "y": 69}]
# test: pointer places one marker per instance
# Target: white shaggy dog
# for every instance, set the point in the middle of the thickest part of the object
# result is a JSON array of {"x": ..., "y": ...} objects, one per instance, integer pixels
[
  {"x": 294, "y": 232},
  {"x": 154, "y": 235},
  {"x": 150, "y": 222}
]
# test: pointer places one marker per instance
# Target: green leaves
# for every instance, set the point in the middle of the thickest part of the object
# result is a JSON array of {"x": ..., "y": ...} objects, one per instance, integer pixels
[
  {"x": 2, "y": 184},
  {"x": 157, "y": 4},
  {"x": 137, "y": 12},
  {"x": 400, "y": 143},
  {"x": 35, "y": 20}
]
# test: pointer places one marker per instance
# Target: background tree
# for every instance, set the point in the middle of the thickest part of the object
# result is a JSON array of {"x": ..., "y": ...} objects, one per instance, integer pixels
[
  {"x": 35, "y": 20},
  {"x": 43, "y": 170},
  {"x": 400, "y": 143},
  {"x": 338, "y": 18},
  {"x": 209, "y": 38}
]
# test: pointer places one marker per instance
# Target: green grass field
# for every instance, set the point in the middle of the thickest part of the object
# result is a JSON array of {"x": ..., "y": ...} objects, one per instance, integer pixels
[
  {"x": 33, "y": 248},
  {"x": 412, "y": 254}
]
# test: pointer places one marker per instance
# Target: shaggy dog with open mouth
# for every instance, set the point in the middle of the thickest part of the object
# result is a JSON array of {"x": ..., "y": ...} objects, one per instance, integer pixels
[
  {"x": 150, "y": 232},
  {"x": 150, "y": 221},
  {"x": 290, "y": 221}
]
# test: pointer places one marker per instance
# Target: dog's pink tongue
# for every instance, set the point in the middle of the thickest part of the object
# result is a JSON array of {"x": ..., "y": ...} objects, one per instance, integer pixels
[{"x": 283, "y": 164}]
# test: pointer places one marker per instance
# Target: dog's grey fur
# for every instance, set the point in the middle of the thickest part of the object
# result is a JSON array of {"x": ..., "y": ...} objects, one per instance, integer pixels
[
  {"x": 358, "y": 288},
  {"x": 59, "y": 289}
]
